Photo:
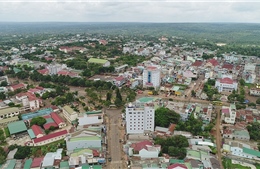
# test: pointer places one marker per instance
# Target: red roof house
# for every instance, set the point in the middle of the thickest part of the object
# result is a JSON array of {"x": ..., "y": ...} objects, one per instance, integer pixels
[
  {"x": 37, "y": 130},
  {"x": 58, "y": 120},
  {"x": 197, "y": 63},
  {"x": 141, "y": 145},
  {"x": 228, "y": 66},
  {"x": 177, "y": 166},
  {"x": 43, "y": 71},
  {"x": 48, "y": 125},
  {"x": 36, "y": 163},
  {"x": 213, "y": 62},
  {"x": 50, "y": 138},
  {"x": 226, "y": 80},
  {"x": 17, "y": 86}
]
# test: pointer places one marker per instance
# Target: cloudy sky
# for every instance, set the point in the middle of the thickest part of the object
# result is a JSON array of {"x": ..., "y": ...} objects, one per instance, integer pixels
[{"x": 130, "y": 10}]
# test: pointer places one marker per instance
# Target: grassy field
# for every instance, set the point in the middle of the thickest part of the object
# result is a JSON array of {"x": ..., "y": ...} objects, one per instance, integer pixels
[{"x": 227, "y": 164}]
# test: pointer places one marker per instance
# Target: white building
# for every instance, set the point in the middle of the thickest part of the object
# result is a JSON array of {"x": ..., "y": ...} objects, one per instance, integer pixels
[
  {"x": 54, "y": 69},
  {"x": 254, "y": 92},
  {"x": 69, "y": 113},
  {"x": 229, "y": 114},
  {"x": 139, "y": 119},
  {"x": 226, "y": 84},
  {"x": 152, "y": 77},
  {"x": 243, "y": 150}
]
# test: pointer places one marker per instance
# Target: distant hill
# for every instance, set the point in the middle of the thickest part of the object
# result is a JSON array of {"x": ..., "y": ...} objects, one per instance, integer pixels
[{"x": 216, "y": 32}]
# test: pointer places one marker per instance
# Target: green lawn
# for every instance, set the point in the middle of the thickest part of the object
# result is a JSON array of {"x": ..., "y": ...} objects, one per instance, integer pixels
[{"x": 227, "y": 164}]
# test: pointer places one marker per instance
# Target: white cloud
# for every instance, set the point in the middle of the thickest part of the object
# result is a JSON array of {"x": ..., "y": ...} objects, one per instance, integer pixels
[{"x": 131, "y": 11}]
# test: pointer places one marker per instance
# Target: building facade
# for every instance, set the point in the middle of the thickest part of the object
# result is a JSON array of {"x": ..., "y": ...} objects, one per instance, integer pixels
[
  {"x": 151, "y": 77},
  {"x": 139, "y": 119},
  {"x": 69, "y": 113},
  {"x": 226, "y": 85}
]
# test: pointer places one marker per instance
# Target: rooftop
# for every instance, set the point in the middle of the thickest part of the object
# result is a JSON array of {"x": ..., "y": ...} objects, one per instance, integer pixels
[
  {"x": 27, "y": 164},
  {"x": 251, "y": 152},
  {"x": 85, "y": 138},
  {"x": 8, "y": 110},
  {"x": 69, "y": 110},
  {"x": 49, "y": 136},
  {"x": 16, "y": 127},
  {"x": 146, "y": 99}
]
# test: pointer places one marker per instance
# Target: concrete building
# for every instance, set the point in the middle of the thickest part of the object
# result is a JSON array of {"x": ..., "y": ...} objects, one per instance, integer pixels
[
  {"x": 69, "y": 113},
  {"x": 50, "y": 138},
  {"x": 152, "y": 77},
  {"x": 229, "y": 114},
  {"x": 255, "y": 92},
  {"x": 9, "y": 112},
  {"x": 226, "y": 85},
  {"x": 85, "y": 139},
  {"x": 139, "y": 118}
]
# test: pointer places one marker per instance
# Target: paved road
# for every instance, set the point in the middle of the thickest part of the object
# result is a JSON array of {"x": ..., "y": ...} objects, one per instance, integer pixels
[
  {"x": 218, "y": 135},
  {"x": 114, "y": 134}
]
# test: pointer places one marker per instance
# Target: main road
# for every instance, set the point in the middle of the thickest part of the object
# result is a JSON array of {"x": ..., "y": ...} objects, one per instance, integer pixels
[{"x": 115, "y": 133}]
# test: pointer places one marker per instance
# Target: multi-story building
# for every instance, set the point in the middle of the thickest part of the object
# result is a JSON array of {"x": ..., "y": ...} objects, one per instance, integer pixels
[
  {"x": 69, "y": 113},
  {"x": 29, "y": 101},
  {"x": 229, "y": 114},
  {"x": 152, "y": 77},
  {"x": 139, "y": 119},
  {"x": 255, "y": 92},
  {"x": 226, "y": 84}
]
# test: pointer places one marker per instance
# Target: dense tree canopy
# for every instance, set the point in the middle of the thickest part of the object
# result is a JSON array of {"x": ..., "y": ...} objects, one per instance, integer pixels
[
  {"x": 164, "y": 116},
  {"x": 174, "y": 146},
  {"x": 40, "y": 121},
  {"x": 253, "y": 130}
]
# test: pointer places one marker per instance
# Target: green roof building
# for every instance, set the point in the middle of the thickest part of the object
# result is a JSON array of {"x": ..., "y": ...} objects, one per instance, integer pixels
[
  {"x": 31, "y": 133},
  {"x": 10, "y": 164},
  {"x": 17, "y": 127},
  {"x": 27, "y": 164},
  {"x": 64, "y": 165},
  {"x": 251, "y": 152},
  {"x": 103, "y": 62}
]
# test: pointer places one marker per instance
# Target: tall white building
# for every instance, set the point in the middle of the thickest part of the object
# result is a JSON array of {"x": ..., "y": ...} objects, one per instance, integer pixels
[
  {"x": 139, "y": 118},
  {"x": 151, "y": 77}
]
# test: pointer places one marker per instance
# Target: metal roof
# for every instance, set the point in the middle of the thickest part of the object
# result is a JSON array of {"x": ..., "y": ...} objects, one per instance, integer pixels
[{"x": 16, "y": 127}]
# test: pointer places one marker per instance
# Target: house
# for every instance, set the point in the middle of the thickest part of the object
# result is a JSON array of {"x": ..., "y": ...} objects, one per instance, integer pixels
[
  {"x": 229, "y": 114},
  {"x": 49, "y": 158},
  {"x": 37, "y": 90},
  {"x": 50, "y": 138},
  {"x": 17, "y": 86},
  {"x": 177, "y": 166},
  {"x": 43, "y": 71},
  {"x": 254, "y": 91},
  {"x": 119, "y": 81},
  {"x": 28, "y": 163},
  {"x": 103, "y": 62},
  {"x": 36, "y": 163},
  {"x": 226, "y": 84},
  {"x": 241, "y": 135},
  {"x": 84, "y": 140},
  {"x": 243, "y": 150},
  {"x": 197, "y": 64},
  {"x": 69, "y": 113},
  {"x": 144, "y": 149},
  {"x": 58, "y": 120},
  {"x": 37, "y": 130},
  {"x": 103, "y": 42},
  {"x": 212, "y": 63}
]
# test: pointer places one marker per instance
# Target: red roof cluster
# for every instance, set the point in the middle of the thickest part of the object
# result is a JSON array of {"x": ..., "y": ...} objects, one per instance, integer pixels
[
  {"x": 50, "y": 136},
  {"x": 67, "y": 73},
  {"x": 227, "y": 66},
  {"x": 18, "y": 86},
  {"x": 56, "y": 118},
  {"x": 43, "y": 71},
  {"x": 36, "y": 130},
  {"x": 30, "y": 96},
  {"x": 226, "y": 80},
  {"x": 197, "y": 63},
  {"x": 119, "y": 78},
  {"x": 214, "y": 62},
  {"x": 141, "y": 145},
  {"x": 48, "y": 125}
]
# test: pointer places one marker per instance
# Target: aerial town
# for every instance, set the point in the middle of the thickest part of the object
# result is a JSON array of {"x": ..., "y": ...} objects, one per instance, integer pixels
[{"x": 91, "y": 101}]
